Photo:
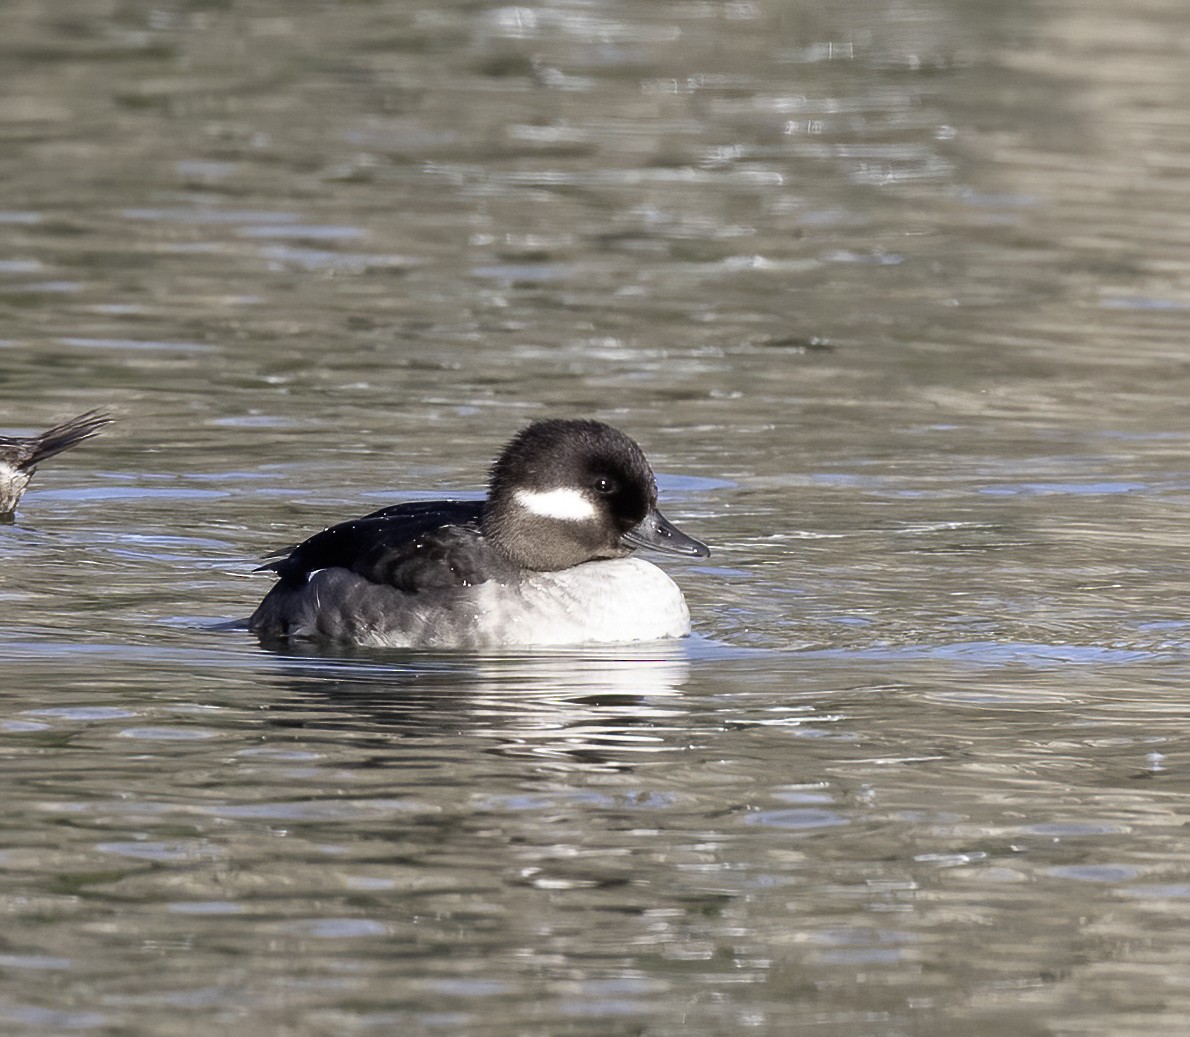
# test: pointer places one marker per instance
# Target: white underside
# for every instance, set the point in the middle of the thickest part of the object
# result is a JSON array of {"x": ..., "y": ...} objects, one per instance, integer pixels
[
  {"x": 12, "y": 484},
  {"x": 619, "y": 600},
  {"x": 623, "y": 599}
]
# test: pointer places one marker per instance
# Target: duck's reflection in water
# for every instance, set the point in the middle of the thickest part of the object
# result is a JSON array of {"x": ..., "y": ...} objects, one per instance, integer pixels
[{"x": 599, "y": 706}]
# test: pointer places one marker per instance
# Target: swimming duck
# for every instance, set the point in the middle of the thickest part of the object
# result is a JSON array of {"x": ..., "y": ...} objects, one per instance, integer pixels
[{"x": 546, "y": 559}]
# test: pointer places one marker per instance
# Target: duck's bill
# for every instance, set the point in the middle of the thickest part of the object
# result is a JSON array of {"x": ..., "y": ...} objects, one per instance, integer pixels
[{"x": 659, "y": 534}]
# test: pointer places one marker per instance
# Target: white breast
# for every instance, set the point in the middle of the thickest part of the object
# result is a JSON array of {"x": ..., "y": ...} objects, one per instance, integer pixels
[{"x": 623, "y": 599}]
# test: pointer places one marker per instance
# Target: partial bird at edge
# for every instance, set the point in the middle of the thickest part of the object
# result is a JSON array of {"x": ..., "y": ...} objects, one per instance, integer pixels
[{"x": 20, "y": 455}]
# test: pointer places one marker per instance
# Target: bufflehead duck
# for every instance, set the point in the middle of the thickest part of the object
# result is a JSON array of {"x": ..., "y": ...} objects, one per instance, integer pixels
[
  {"x": 20, "y": 455},
  {"x": 543, "y": 561}
]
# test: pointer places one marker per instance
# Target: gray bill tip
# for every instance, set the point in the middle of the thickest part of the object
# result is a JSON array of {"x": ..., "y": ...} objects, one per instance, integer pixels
[{"x": 657, "y": 533}]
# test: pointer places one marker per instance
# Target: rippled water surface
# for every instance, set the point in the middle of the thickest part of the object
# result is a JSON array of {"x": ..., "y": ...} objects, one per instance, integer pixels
[{"x": 894, "y": 294}]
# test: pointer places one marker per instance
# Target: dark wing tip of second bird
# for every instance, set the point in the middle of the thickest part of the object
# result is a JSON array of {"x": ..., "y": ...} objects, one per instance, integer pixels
[{"x": 67, "y": 434}]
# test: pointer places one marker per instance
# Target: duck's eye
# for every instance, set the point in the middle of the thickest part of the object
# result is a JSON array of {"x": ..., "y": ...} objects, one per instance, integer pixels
[{"x": 605, "y": 486}]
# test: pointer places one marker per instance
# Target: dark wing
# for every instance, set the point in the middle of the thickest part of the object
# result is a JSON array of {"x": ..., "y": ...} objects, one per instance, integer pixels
[
  {"x": 412, "y": 547},
  {"x": 26, "y": 451}
]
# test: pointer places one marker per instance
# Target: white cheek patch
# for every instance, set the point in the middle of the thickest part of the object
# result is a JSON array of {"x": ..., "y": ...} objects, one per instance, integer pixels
[{"x": 565, "y": 504}]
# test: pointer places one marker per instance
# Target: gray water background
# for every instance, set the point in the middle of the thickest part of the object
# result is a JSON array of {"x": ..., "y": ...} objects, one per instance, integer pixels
[{"x": 895, "y": 295}]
